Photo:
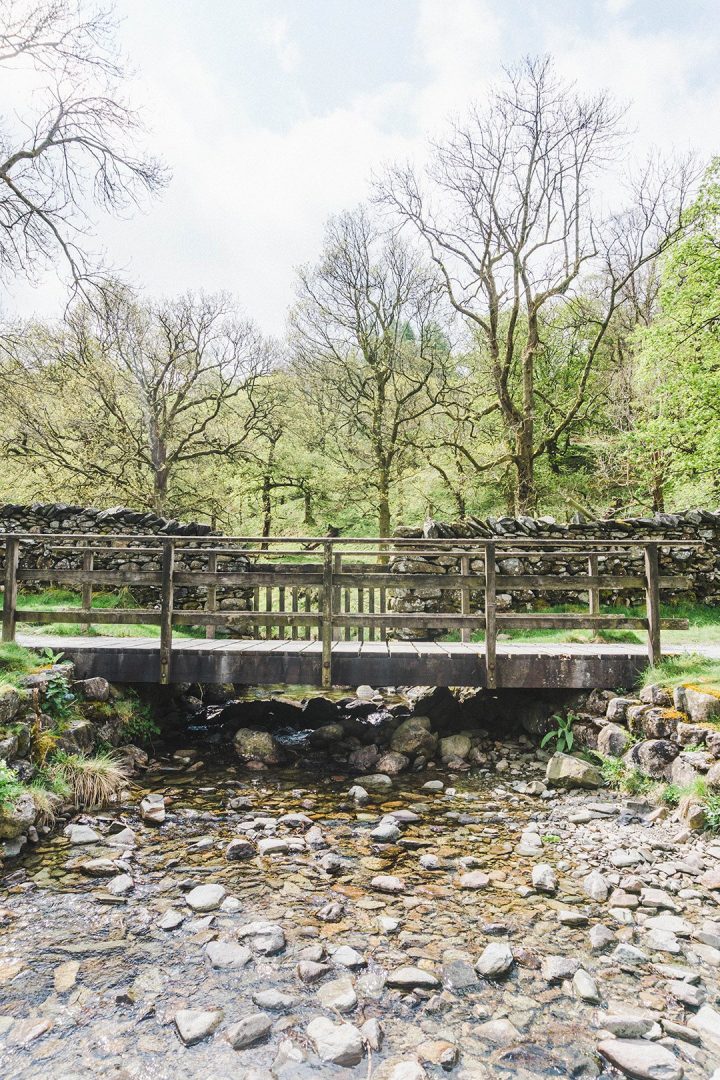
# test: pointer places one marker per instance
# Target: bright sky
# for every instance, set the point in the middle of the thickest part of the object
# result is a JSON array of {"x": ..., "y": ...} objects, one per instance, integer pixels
[{"x": 272, "y": 114}]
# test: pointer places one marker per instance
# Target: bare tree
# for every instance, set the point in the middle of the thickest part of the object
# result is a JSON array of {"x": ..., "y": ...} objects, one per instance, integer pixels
[
  {"x": 368, "y": 350},
  {"x": 73, "y": 144},
  {"x": 509, "y": 212},
  {"x": 130, "y": 400}
]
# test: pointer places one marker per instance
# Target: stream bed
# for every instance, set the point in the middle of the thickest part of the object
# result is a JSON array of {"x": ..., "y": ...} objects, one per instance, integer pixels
[{"x": 368, "y": 912}]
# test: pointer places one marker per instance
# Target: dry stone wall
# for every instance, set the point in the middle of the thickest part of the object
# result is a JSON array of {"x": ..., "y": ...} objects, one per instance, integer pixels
[
  {"x": 61, "y": 519},
  {"x": 701, "y": 564}
]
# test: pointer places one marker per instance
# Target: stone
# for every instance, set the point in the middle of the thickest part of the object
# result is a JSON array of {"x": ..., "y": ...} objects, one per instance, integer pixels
[
  {"x": 152, "y": 809},
  {"x": 585, "y": 987},
  {"x": 455, "y": 746},
  {"x": 120, "y": 885},
  {"x": 495, "y": 961},
  {"x": 358, "y": 794},
  {"x": 691, "y": 812},
  {"x": 239, "y": 849},
  {"x": 170, "y": 920},
  {"x": 339, "y": 994},
  {"x": 413, "y": 736},
  {"x": 566, "y": 771},
  {"x": 9, "y": 704},
  {"x": 82, "y": 834},
  {"x": 652, "y": 757},
  {"x": 693, "y": 996},
  {"x": 375, "y": 782},
  {"x": 499, "y": 1032},
  {"x": 407, "y": 1070},
  {"x": 625, "y": 953},
  {"x": 194, "y": 1025},
  {"x": 249, "y": 1030},
  {"x": 336, "y": 1044},
  {"x": 707, "y": 1021},
  {"x": 571, "y": 917},
  {"x": 596, "y": 886},
  {"x": 475, "y": 879},
  {"x": 95, "y": 689},
  {"x": 612, "y": 740},
  {"x": 710, "y": 879},
  {"x": 392, "y": 763},
  {"x": 439, "y": 1052},
  {"x": 387, "y": 883},
  {"x": 657, "y": 898},
  {"x": 700, "y": 706},
  {"x": 617, "y": 708},
  {"x": 385, "y": 833},
  {"x": 409, "y": 978},
  {"x": 641, "y": 1059},
  {"x": 309, "y": 971},
  {"x": 372, "y": 1033},
  {"x": 227, "y": 954},
  {"x": 206, "y": 897},
  {"x": 251, "y": 745},
  {"x": 275, "y": 1000},
  {"x": 459, "y": 974},
  {"x": 77, "y": 735},
  {"x": 17, "y": 818},
  {"x": 265, "y": 937},
  {"x": 65, "y": 975},
  {"x": 544, "y": 878},
  {"x": 348, "y": 957},
  {"x": 600, "y": 938},
  {"x": 556, "y": 968}
]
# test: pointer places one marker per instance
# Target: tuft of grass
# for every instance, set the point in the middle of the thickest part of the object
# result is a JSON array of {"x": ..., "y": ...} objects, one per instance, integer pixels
[
  {"x": 10, "y": 786},
  {"x": 92, "y": 782},
  {"x": 702, "y": 672},
  {"x": 47, "y": 803},
  {"x": 712, "y": 813}
]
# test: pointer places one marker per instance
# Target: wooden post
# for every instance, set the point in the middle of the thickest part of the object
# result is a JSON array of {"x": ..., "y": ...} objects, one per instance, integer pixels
[
  {"x": 465, "y": 595},
  {"x": 87, "y": 589},
  {"x": 12, "y": 556},
  {"x": 166, "y": 611},
  {"x": 327, "y": 614},
  {"x": 652, "y": 602},
  {"x": 593, "y": 593},
  {"x": 337, "y": 562},
  {"x": 490, "y": 624},
  {"x": 211, "y": 597}
]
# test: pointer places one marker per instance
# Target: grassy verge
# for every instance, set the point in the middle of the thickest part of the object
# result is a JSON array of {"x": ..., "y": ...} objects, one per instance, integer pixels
[
  {"x": 700, "y": 672},
  {"x": 66, "y": 599},
  {"x": 620, "y": 776}
]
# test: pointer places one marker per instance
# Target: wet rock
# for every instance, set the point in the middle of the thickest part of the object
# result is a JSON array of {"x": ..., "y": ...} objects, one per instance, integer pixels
[
  {"x": 495, "y": 961},
  {"x": 641, "y": 1059},
  {"x": 474, "y": 879},
  {"x": 348, "y": 957},
  {"x": 227, "y": 954},
  {"x": 459, "y": 974},
  {"x": 339, "y": 994},
  {"x": 585, "y": 987},
  {"x": 82, "y": 834},
  {"x": 565, "y": 771},
  {"x": 372, "y": 1034},
  {"x": 249, "y": 1030},
  {"x": 16, "y": 818},
  {"x": 309, "y": 971},
  {"x": 393, "y": 763},
  {"x": 375, "y": 782},
  {"x": 121, "y": 885},
  {"x": 252, "y": 745},
  {"x": 275, "y": 1000},
  {"x": 65, "y": 975},
  {"x": 414, "y": 736},
  {"x": 152, "y": 809},
  {"x": 358, "y": 794},
  {"x": 265, "y": 937},
  {"x": 499, "y": 1032},
  {"x": 439, "y": 1052},
  {"x": 386, "y": 832},
  {"x": 408, "y": 978},
  {"x": 336, "y": 1044},
  {"x": 206, "y": 897},
  {"x": 194, "y": 1025},
  {"x": 365, "y": 758},
  {"x": 170, "y": 920}
]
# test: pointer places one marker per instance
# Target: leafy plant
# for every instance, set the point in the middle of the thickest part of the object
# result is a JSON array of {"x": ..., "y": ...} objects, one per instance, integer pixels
[
  {"x": 712, "y": 813},
  {"x": 562, "y": 733},
  {"x": 671, "y": 794},
  {"x": 60, "y": 702},
  {"x": 51, "y": 658},
  {"x": 140, "y": 726},
  {"x": 10, "y": 787}
]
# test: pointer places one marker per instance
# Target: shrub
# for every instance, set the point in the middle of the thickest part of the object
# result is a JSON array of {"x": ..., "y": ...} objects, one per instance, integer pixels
[
  {"x": 562, "y": 733},
  {"x": 712, "y": 813},
  {"x": 91, "y": 781},
  {"x": 10, "y": 787}
]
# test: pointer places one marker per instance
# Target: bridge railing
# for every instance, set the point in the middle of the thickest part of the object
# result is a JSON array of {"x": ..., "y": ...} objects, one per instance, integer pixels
[{"x": 331, "y": 589}]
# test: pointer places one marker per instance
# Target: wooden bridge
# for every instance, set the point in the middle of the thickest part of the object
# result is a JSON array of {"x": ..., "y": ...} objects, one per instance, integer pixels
[{"x": 336, "y": 612}]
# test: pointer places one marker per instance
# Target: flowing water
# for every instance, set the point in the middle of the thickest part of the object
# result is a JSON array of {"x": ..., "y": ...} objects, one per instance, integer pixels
[{"x": 90, "y": 985}]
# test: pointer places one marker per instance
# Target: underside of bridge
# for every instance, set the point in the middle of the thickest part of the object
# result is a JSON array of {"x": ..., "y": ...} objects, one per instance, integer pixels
[{"x": 391, "y": 663}]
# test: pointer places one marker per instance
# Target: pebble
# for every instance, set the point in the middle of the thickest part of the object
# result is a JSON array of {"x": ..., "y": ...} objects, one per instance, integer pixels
[
  {"x": 206, "y": 897},
  {"x": 336, "y": 1044},
  {"x": 194, "y": 1025},
  {"x": 408, "y": 978},
  {"x": 495, "y": 961},
  {"x": 641, "y": 1059},
  {"x": 227, "y": 954},
  {"x": 249, "y": 1030}
]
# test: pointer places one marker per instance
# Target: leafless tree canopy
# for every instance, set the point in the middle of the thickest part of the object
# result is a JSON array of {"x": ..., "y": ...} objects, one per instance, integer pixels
[
  {"x": 76, "y": 147},
  {"x": 509, "y": 211}
]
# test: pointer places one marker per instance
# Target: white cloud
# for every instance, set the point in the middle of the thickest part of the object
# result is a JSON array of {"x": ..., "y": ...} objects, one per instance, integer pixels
[{"x": 276, "y": 32}]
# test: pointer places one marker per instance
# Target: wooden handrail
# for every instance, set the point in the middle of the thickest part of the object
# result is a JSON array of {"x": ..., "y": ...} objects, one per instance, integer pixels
[{"x": 328, "y": 576}]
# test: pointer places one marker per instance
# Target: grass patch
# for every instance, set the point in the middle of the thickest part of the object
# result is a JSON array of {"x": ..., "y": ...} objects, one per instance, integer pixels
[
  {"x": 92, "y": 782},
  {"x": 16, "y": 661},
  {"x": 701, "y": 672}
]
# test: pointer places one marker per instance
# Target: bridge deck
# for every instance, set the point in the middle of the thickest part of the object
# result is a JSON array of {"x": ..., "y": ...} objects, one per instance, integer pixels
[{"x": 391, "y": 663}]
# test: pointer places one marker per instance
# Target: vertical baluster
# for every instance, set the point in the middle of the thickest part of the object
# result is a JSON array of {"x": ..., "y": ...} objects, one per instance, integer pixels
[
  {"x": 336, "y": 594},
  {"x": 490, "y": 624},
  {"x": 268, "y": 607},
  {"x": 87, "y": 589},
  {"x": 307, "y": 630},
  {"x": 593, "y": 591},
  {"x": 166, "y": 611},
  {"x": 256, "y": 607},
  {"x": 371, "y": 609},
  {"x": 361, "y": 608},
  {"x": 652, "y": 602},
  {"x": 294, "y": 602},
  {"x": 12, "y": 557},
  {"x": 465, "y": 595},
  {"x": 348, "y": 629},
  {"x": 211, "y": 595},
  {"x": 282, "y": 630},
  {"x": 327, "y": 615},
  {"x": 383, "y": 609}
]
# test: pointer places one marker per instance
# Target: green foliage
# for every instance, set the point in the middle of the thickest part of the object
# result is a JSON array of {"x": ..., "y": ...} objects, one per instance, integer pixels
[
  {"x": 671, "y": 794},
  {"x": 562, "y": 733},
  {"x": 712, "y": 813},
  {"x": 551, "y": 838},
  {"x": 60, "y": 702},
  {"x": 92, "y": 781},
  {"x": 700, "y": 671},
  {"x": 51, "y": 658},
  {"x": 10, "y": 786},
  {"x": 139, "y": 725}
]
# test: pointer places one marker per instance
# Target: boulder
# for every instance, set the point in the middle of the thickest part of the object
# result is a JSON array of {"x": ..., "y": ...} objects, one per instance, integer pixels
[
  {"x": 612, "y": 740},
  {"x": 659, "y": 723},
  {"x": 152, "y": 809},
  {"x": 413, "y": 736},
  {"x": 455, "y": 746},
  {"x": 566, "y": 771},
  {"x": 702, "y": 707},
  {"x": 336, "y": 1044},
  {"x": 251, "y": 745},
  {"x": 713, "y": 776},
  {"x": 652, "y": 757},
  {"x": 618, "y": 707},
  {"x": 77, "y": 735},
  {"x": 95, "y": 689},
  {"x": 392, "y": 763},
  {"x": 9, "y": 704},
  {"x": 17, "y": 818}
]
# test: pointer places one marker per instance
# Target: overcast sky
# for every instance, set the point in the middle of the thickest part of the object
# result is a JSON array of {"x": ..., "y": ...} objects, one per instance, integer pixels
[{"x": 273, "y": 114}]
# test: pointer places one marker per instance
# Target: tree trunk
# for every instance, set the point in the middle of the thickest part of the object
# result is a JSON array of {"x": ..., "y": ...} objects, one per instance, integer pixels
[
  {"x": 383, "y": 502},
  {"x": 160, "y": 488},
  {"x": 657, "y": 490},
  {"x": 309, "y": 515},
  {"x": 266, "y": 506}
]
